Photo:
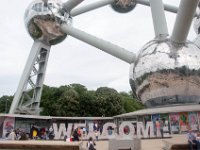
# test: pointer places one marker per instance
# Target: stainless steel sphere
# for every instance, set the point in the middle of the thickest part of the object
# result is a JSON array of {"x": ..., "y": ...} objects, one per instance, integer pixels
[
  {"x": 165, "y": 74},
  {"x": 42, "y": 19},
  {"x": 123, "y": 6}
]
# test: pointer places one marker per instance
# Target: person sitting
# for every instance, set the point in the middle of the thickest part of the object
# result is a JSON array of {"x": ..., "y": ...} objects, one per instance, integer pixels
[
  {"x": 12, "y": 135},
  {"x": 75, "y": 136},
  {"x": 191, "y": 139},
  {"x": 198, "y": 141}
]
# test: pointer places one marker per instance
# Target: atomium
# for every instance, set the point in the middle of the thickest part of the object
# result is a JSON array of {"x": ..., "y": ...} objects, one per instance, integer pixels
[
  {"x": 42, "y": 21},
  {"x": 166, "y": 74}
]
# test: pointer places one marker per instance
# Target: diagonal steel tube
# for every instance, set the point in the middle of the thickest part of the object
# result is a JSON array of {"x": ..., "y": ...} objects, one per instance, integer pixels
[
  {"x": 101, "y": 44},
  {"x": 90, "y": 7},
  {"x": 70, "y": 4}
]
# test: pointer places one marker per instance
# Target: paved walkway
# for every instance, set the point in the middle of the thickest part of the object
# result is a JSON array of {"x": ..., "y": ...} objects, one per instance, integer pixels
[{"x": 147, "y": 144}]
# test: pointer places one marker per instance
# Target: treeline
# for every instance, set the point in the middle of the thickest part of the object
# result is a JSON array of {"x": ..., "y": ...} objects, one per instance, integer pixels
[{"x": 76, "y": 100}]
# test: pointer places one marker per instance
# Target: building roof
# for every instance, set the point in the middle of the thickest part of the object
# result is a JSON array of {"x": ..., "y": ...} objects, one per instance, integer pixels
[
  {"x": 57, "y": 118},
  {"x": 162, "y": 110}
]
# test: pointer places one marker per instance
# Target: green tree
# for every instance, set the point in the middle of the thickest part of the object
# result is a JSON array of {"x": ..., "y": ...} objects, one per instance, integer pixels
[
  {"x": 68, "y": 104},
  {"x": 49, "y": 100},
  {"x": 5, "y": 103},
  {"x": 129, "y": 103},
  {"x": 108, "y": 102}
]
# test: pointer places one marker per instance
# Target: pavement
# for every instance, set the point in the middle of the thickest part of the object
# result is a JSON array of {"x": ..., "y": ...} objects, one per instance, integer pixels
[{"x": 146, "y": 144}]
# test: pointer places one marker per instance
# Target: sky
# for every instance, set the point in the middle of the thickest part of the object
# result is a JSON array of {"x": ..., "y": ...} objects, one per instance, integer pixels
[{"x": 73, "y": 61}]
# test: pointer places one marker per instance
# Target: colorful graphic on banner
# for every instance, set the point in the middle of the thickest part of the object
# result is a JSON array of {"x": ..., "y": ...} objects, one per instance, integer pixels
[
  {"x": 155, "y": 117},
  {"x": 184, "y": 121},
  {"x": 8, "y": 125},
  {"x": 174, "y": 121},
  {"x": 193, "y": 122}
]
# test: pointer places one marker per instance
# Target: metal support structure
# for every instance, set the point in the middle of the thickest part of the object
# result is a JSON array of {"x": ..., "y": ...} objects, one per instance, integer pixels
[
  {"x": 105, "y": 46},
  {"x": 167, "y": 7},
  {"x": 28, "y": 94},
  {"x": 159, "y": 20},
  {"x": 183, "y": 22},
  {"x": 89, "y": 7},
  {"x": 70, "y": 4}
]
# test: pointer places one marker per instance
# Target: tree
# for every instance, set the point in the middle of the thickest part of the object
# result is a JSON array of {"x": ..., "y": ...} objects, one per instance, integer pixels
[
  {"x": 129, "y": 103},
  {"x": 87, "y": 104},
  {"x": 5, "y": 103},
  {"x": 68, "y": 104},
  {"x": 108, "y": 102},
  {"x": 76, "y": 100},
  {"x": 49, "y": 100}
]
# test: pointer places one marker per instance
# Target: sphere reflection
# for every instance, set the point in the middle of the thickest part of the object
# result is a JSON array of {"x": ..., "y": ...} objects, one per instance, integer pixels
[
  {"x": 165, "y": 74},
  {"x": 42, "y": 19},
  {"x": 123, "y": 6}
]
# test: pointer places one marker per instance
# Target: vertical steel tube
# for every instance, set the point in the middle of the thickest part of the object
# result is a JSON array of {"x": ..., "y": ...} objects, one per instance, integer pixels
[
  {"x": 183, "y": 22},
  {"x": 159, "y": 20}
]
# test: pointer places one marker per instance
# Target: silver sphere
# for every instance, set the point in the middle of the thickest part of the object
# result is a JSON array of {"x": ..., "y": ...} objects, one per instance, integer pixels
[
  {"x": 165, "y": 74},
  {"x": 42, "y": 19},
  {"x": 123, "y": 6}
]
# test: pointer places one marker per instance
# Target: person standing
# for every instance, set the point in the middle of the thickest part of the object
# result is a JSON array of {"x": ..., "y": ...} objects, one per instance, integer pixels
[
  {"x": 96, "y": 135},
  {"x": 161, "y": 127},
  {"x": 91, "y": 144},
  {"x": 157, "y": 128}
]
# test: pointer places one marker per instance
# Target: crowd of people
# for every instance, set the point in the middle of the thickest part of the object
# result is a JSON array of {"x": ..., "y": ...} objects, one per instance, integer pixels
[
  {"x": 35, "y": 133},
  {"x": 17, "y": 134}
]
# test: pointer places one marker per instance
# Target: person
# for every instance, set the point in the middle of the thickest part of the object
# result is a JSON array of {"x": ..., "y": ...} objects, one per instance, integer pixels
[
  {"x": 75, "y": 136},
  {"x": 198, "y": 141},
  {"x": 161, "y": 127},
  {"x": 23, "y": 136},
  {"x": 96, "y": 135},
  {"x": 84, "y": 132},
  {"x": 91, "y": 144},
  {"x": 191, "y": 139},
  {"x": 65, "y": 137},
  {"x": 12, "y": 135},
  {"x": 79, "y": 132},
  {"x": 157, "y": 128},
  {"x": 101, "y": 129},
  {"x": 51, "y": 134},
  {"x": 110, "y": 130}
]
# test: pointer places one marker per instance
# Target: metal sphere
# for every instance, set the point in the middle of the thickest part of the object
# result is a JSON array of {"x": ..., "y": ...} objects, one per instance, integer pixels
[
  {"x": 42, "y": 19},
  {"x": 165, "y": 74},
  {"x": 123, "y": 6}
]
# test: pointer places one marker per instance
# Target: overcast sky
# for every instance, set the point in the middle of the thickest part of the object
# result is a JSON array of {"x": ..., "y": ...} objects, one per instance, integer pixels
[{"x": 73, "y": 61}]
